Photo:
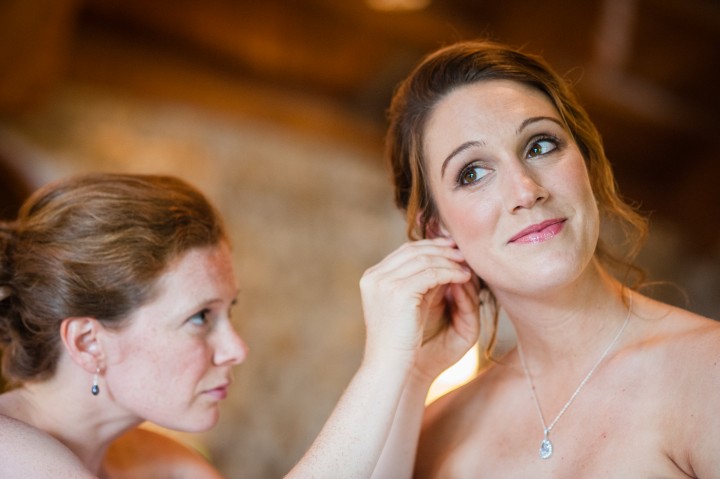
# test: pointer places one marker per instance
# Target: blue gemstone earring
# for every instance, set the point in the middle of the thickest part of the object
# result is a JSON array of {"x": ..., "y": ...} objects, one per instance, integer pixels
[{"x": 95, "y": 390}]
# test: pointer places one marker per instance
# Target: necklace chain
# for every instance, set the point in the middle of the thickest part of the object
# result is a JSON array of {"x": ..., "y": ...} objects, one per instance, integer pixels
[{"x": 546, "y": 447}]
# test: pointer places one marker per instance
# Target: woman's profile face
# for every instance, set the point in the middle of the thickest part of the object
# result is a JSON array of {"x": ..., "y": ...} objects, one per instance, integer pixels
[
  {"x": 171, "y": 364},
  {"x": 510, "y": 186}
]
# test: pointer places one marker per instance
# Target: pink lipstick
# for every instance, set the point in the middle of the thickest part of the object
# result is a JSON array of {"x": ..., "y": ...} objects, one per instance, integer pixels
[{"x": 539, "y": 232}]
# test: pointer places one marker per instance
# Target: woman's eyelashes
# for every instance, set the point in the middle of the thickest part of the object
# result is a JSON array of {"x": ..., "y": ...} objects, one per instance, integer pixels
[
  {"x": 201, "y": 318},
  {"x": 537, "y": 147},
  {"x": 542, "y": 145},
  {"x": 471, "y": 174}
]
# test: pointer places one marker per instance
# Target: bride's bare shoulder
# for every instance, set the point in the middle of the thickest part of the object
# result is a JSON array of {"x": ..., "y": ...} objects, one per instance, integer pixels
[
  {"x": 672, "y": 327},
  {"x": 688, "y": 361},
  {"x": 680, "y": 351},
  {"x": 28, "y": 452},
  {"x": 703, "y": 331}
]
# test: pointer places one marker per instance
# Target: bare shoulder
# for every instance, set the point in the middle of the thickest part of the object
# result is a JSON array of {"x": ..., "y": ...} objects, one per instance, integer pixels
[
  {"x": 141, "y": 453},
  {"x": 683, "y": 350},
  {"x": 696, "y": 345},
  {"x": 689, "y": 337},
  {"x": 691, "y": 359},
  {"x": 28, "y": 452},
  {"x": 683, "y": 356},
  {"x": 696, "y": 376}
]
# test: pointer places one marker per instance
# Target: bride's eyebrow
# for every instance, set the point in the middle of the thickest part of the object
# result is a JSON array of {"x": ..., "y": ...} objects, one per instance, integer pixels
[
  {"x": 458, "y": 150},
  {"x": 529, "y": 121},
  {"x": 470, "y": 144}
]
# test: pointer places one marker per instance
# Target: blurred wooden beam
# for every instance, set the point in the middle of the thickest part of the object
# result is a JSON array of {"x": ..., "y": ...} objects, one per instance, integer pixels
[{"x": 35, "y": 38}]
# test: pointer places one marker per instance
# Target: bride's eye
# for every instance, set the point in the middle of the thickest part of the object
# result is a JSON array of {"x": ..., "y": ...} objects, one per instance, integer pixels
[
  {"x": 471, "y": 174},
  {"x": 541, "y": 147}
]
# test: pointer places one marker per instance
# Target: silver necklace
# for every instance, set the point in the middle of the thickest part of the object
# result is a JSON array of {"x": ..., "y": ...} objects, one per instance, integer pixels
[{"x": 546, "y": 446}]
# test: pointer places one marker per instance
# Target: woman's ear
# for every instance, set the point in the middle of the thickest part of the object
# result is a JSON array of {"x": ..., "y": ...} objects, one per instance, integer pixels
[
  {"x": 81, "y": 339},
  {"x": 435, "y": 229}
]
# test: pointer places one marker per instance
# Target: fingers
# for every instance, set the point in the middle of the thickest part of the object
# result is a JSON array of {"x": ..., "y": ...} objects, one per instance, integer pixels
[
  {"x": 405, "y": 289},
  {"x": 419, "y": 266},
  {"x": 462, "y": 302},
  {"x": 421, "y": 304},
  {"x": 466, "y": 296},
  {"x": 439, "y": 246}
]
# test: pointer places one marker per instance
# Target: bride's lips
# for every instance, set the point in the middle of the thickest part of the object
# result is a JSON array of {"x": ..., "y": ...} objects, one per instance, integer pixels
[{"x": 539, "y": 232}]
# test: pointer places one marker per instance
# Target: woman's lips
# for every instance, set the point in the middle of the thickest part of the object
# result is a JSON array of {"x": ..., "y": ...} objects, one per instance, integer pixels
[
  {"x": 218, "y": 393},
  {"x": 539, "y": 232}
]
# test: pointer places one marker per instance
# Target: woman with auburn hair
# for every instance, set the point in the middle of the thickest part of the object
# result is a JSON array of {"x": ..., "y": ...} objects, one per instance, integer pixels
[
  {"x": 115, "y": 299},
  {"x": 502, "y": 174}
]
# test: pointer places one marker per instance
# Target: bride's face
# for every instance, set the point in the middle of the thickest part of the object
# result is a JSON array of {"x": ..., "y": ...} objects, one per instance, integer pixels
[{"x": 510, "y": 186}]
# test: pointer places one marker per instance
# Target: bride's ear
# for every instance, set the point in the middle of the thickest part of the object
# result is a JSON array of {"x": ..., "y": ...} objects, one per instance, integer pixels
[
  {"x": 435, "y": 229},
  {"x": 80, "y": 336}
]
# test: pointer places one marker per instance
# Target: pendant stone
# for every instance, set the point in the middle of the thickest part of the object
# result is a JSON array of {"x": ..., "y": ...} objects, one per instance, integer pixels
[{"x": 546, "y": 448}]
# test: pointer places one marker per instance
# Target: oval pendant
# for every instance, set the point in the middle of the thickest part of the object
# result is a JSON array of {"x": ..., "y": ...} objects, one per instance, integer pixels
[{"x": 546, "y": 449}]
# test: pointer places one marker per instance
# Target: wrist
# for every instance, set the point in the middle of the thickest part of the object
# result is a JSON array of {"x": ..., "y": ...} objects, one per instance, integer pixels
[
  {"x": 388, "y": 360},
  {"x": 421, "y": 378}
]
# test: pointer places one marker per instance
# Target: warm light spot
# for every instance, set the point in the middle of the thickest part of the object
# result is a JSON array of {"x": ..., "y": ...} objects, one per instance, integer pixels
[
  {"x": 398, "y": 5},
  {"x": 191, "y": 440},
  {"x": 456, "y": 375}
]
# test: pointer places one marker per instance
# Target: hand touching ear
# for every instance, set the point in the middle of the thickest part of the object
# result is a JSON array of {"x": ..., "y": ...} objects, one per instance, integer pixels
[
  {"x": 435, "y": 229},
  {"x": 406, "y": 295},
  {"x": 452, "y": 329}
]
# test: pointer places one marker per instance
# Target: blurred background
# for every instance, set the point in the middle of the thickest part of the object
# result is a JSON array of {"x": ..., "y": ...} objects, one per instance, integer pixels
[{"x": 276, "y": 109}]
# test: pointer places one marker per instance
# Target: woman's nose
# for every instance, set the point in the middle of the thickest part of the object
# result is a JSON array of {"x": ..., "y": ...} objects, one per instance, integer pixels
[
  {"x": 523, "y": 190},
  {"x": 230, "y": 349}
]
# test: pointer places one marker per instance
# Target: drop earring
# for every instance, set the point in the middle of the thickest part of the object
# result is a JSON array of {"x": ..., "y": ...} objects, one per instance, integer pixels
[{"x": 95, "y": 389}]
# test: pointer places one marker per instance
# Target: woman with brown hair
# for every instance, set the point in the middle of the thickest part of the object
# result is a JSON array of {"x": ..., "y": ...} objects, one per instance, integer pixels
[
  {"x": 115, "y": 299},
  {"x": 500, "y": 171}
]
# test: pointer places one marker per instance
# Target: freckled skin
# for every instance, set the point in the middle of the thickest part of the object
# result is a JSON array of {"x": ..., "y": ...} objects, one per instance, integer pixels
[{"x": 162, "y": 364}]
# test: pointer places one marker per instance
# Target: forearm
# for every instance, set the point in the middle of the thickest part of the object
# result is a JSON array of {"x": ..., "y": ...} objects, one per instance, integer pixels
[
  {"x": 398, "y": 456},
  {"x": 402, "y": 294},
  {"x": 352, "y": 439}
]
